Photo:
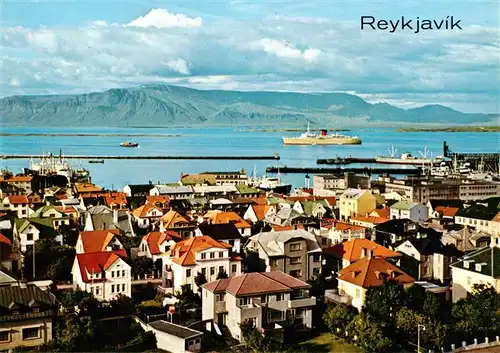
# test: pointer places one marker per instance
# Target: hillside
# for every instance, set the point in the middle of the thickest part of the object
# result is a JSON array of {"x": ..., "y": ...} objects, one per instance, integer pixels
[{"x": 163, "y": 105}]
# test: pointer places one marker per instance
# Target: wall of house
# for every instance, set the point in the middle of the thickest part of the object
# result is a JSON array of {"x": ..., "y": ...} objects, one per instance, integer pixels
[
  {"x": 208, "y": 307},
  {"x": 23, "y": 237},
  {"x": 115, "y": 281},
  {"x": 357, "y": 293},
  {"x": 16, "y": 333},
  {"x": 464, "y": 280}
]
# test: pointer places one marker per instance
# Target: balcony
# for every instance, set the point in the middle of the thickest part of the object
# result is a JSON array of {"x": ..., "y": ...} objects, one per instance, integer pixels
[
  {"x": 333, "y": 295},
  {"x": 299, "y": 303},
  {"x": 220, "y": 307}
]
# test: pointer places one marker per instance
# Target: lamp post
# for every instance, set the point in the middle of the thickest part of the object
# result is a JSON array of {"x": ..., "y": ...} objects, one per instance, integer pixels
[{"x": 418, "y": 336}]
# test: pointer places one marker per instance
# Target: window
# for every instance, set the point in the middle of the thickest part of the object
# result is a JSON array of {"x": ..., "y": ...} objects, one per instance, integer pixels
[
  {"x": 316, "y": 258},
  {"x": 263, "y": 298},
  {"x": 234, "y": 268},
  {"x": 112, "y": 274},
  {"x": 212, "y": 271},
  {"x": 316, "y": 271},
  {"x": 221, "y": 268},
  {"x": 4, "y": 336},
  {"x": 295, "y": 247},
  {"x": 198, "y": 341},
  {"x": 188, "y": 273},
  {"x": 273, "y": 262},
  {"x": 212, "y": 255},
  {"x": 295, "y": 273},
  {"x": 295, "y": 260},
  {"x": 97, "y": 290},
  {"x": 123, "y": 287},
  {"x": 358, "y": 293},
  {"x": 203, "y": 256},
  {"x": 245, "y": 301},
  {"x": 221, "y": 254},
  {"x": 123, "y": 273},
  {"x": 220, "y": 297},
  {"x": 29, "y": 236},
  {"x": 280, "y": 297},
  {"x": 204, "y": 271},
  {"x": 30, "y": 333},
  {"x": 112, "y": 288}
]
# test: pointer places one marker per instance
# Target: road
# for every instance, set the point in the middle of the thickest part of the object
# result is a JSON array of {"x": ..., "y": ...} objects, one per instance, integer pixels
[{"x": 134, "y": 283}]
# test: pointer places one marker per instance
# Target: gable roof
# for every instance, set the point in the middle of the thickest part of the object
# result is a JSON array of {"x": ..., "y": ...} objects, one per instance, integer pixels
[
  {"x": 142, "y": 211},
  {"x": 140, "y": 188},
  {"x": 404, "y": 205},
  {"x": 165, "y": 189},
  {"x": 353, "y": 193},
  {"x": 171, "y": 217},
  {"x": 352, "y": 250},
  {"x": 433, "y": 245},
  {"x": 221, "y": 231},
  {"x": 482, "y": 256},
  {"x": 447, "y": 211},
  {"x": 256, "y": 283},
  {"x": 97, "y": 240},
  {"x": 25, "y": 296},
  {"x": 115, "y": 198},
  {"x": 86, "y": 188},
  {"x": 371, "y": 272},
  {"x": 273, "y": 242},
  {"x": 220, "y": 217},
  {"x": 381, "y": 212},
  {"x": 17, "y": 199},
  {"x": 44, "y": 225},
  {"x": 478, "y": 211},
  {"x": 4, "y": 239},
  {"x": 260, "y": 210},
  {"x": 154, "y": 239},
  {"x": 184, "y": 252},
  {"x": 446, "y": 203},
  {"x": 97, "y": 262},
  {"x": 369, "y": 219}
]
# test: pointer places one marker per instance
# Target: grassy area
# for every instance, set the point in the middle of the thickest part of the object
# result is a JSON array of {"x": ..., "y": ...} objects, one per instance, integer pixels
[
  {"x": 453, "y": 129},
  {"x": 326, "y": 342}
]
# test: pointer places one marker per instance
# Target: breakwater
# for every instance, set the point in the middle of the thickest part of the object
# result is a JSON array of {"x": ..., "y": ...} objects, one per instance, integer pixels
[
  {"x": 26, "y": 156},
  {"x": 339, "y": 170}
]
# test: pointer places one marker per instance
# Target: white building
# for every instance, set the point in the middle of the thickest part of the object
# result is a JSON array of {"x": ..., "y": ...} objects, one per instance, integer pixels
[
  {"x": 415, "y": 211},
  {"x": 104, "y": 274},
  {"x": 478, "y": 267},
  {"x": 199, "y": 254},
  {"x": 147, "y": 214},
  {"x": 155, "y": 245},
  {"x": 175, "y": 338},
  {"x": 98, "y": 241},
  {"x": 18, "y": 204},
  {"x": 264, "y": 298}
]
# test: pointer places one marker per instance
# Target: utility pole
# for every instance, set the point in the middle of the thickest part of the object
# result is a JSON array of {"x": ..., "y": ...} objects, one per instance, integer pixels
[
  {"x": 34, "y": 243},
  {"x": 418, "y": 334}
]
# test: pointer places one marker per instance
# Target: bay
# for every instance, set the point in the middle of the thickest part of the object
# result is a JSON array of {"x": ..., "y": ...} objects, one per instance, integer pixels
[{"x": 218, "y": 141}]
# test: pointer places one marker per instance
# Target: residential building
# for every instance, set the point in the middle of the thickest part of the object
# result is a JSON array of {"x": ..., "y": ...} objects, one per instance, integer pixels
[
  {"x": 98, "y": 241},
  {"x": 199, "y": 254},
  {"x": 338, "y": 232},
  {"x": 58, "y": 217},
  {"x": 484, "y": 217},
  {"x": 367, "y": 221},
  {"x": 259, "y": 212},
  {"x": 28, "y": 230},
  {"x": 312, "y": 208},
  {"x": 220, "y": 217},
  {"x": 18, "y": 204},
  {"x": 341, "y": 182},
  {"x": 226, "y": 232},
  {"x": 224, "y": 178},
  {"x": 155, "y": 245},
  {"x": 27, "y": 316},
  {"x": 294, "y": 252},
  {"x": 137, "y": 189},
  {"x": 173, "y": 220},
  {"x": 173, "y": 192},
  {"x": 103, "y": 274},
  {"x": 175, "y": 338},
  {"x": 355, "y": 202},
  {"x": 428, "y": 258},
  {"x": 398, "y": 230},
  {"x": 440, "y": 206},
  {"x": 147, "y": 215},
  {"x": 355, "y": 280},
  {"x": 287, "y": 216},
  {"x": 341, "y": 255},
  {"x": 410, "y": 210},
  {"x": 264, "y": 298},
  {"x": 103, "y": 218},
  {"x": 478, "y": 267}
]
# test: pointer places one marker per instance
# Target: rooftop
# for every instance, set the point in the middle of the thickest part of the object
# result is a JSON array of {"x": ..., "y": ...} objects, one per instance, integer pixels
[{"x": 174, "y": 330}]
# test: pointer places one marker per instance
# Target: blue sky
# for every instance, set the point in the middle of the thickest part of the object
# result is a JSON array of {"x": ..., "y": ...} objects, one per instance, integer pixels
[{"x": 81, "y": 46}]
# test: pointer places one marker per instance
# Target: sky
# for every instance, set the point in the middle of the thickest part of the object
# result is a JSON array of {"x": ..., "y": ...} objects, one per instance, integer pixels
[{"x": 80, "y": 46}]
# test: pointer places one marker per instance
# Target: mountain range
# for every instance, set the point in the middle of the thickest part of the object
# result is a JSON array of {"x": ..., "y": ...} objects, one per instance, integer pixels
[{"x": 166, "y": 105}]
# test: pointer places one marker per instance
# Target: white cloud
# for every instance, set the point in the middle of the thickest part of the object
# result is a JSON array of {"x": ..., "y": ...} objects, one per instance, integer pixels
[
  {"x": 15, "y": 82},
  {"x": 178, "y": 65},
  {"x": 457, "y": 68},
  {"x": 161, "y": 18}
]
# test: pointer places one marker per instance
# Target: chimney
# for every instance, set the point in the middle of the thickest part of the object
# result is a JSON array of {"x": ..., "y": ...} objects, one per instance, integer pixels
[
  {"x": 115, "y": 216},
  {"x": 363, "y": 252}
]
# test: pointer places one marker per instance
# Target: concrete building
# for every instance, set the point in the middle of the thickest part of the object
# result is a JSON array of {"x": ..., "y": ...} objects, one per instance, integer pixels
[
  {"x": 335, "y": 182},
  {"x": 175, "y": 338},
  {"x": 410, "y": 210},
  {"x": 355, "y": 202},
  {"x": 294, "y": 252},
  {"x": 263, "y": 298}
]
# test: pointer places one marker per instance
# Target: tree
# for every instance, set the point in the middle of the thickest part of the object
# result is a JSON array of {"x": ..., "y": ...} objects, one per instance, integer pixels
[
  {"x": 407, "y": 321},
  {"x": 253, "y": 263},
  {"x": 69, "y": 233},
  {"x": 141, "y": 265},
  {"x": 258, "y": 342},
  {"x": 477, "y": 315},
  {"x": 337, "y": 317},
  {"x": 383, "y": 302},
  {"x": 369, "y": 334},
  {"x": 200, "y": 280},
  {"x": 222, "y": 274},
  {"x": 52, "y": 261}
]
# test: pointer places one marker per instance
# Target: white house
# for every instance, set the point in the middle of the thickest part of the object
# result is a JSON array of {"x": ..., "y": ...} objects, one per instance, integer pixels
[
  {"x": 27, "y": 231},
  {"x": 415, "y": 211},
  {"x": 476, "y": 268},
  {"x": 18, "y": 204},
  {"x": 104, "y": 274},
  {"x": 226, "y": 232},
  {"x": 175, "y": 338},
  {"x": 147, "y": 214},
  {"x": 173, "y": 192},
  {"x": 155, "y": 245},
  {"x": 261, "y": 297},
  {"x": 257, "y": 213},
  {"x": 199, "y": 254}
]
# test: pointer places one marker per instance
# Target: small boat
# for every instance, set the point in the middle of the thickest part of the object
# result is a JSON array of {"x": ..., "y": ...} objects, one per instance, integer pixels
[
  {"x": 129, "y": 144},
  {"x": 101, "y": 161}
]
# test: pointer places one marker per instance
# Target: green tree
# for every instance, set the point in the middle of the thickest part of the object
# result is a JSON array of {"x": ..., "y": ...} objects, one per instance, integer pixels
[
  {"x": 368, "y": 334},
  {"x": 337, "y": 317},
  {"x": 383, "y": 302},
  {"x": 200, "y": 279},
  {"x": 253, "y": 263},
  {"x": 222, "y": 274},
  {"x": 69, "y": 233},
  {"x": 141, "y": 265},
  {"x": 259, "y": 342},
  {"x": 477, "y": 315}
]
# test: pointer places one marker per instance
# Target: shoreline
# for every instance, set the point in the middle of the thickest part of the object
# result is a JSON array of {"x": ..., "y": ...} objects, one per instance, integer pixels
[
  {"x": 89, "y": 135},
  {"x": 452, "y": 129}
]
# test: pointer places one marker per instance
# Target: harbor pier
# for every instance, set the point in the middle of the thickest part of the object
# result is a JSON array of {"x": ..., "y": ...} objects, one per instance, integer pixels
[{"x": 26, "y": 156}]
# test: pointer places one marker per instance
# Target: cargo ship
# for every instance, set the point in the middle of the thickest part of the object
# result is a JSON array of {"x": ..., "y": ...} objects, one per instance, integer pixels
[
  {"x": 407, "y": 158},
  {"x": 323, "y": 138},
  {"x": 129, "y": 144}
]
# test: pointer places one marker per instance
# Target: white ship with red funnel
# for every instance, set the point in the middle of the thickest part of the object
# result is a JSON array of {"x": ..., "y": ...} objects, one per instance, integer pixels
[{"x": 323, "y": 138}]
